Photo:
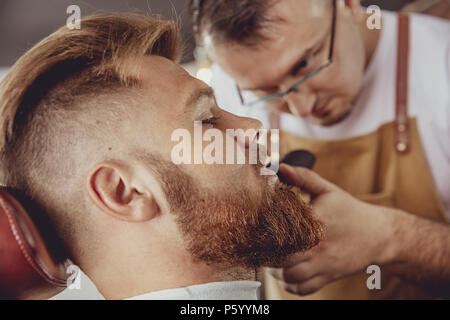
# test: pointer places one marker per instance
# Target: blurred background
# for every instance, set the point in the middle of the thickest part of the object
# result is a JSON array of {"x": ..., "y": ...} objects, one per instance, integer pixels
[{"x": 24, "y": 22}]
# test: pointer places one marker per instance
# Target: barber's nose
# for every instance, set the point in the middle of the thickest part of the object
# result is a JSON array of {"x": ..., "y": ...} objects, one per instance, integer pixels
[{"x": 300, "y": 104}]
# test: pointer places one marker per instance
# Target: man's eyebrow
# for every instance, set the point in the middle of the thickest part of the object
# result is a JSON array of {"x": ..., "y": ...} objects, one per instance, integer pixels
[
  {"x": 293, "y": 67},
  {"x": 197, "y": 95}
]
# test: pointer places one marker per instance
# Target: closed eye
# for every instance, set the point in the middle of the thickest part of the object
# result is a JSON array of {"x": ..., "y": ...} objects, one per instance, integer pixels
[
  {"x": 305, "y": 63},
  {"x": 211, "y": 121},
  {"x": 301, "y": 65}
]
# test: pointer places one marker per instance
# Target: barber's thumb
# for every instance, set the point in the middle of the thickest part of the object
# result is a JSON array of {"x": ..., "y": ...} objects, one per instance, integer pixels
[{"x": 307, "y": 180}]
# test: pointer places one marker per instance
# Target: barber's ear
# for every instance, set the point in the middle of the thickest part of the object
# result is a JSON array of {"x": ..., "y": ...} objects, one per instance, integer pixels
[
  {"x": 111, "y": 188},
  {"x": 354, "y": 6}
]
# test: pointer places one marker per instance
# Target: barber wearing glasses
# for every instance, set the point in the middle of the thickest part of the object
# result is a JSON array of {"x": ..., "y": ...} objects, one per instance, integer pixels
[{"x": 373, "y": 106}]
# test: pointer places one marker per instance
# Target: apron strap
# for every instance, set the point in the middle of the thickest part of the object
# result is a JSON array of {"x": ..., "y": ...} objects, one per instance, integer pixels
[{"x": 401, "y": 103}]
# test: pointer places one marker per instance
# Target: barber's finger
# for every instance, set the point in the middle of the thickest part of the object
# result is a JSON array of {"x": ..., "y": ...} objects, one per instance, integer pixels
[
  {"x": 292, "y": 260},
  {"x": 306, "y": 180},
  {"x": 306, "y": 287},
  {"x": 296, "y": 274},
  {"x": 297, "y": 258}
]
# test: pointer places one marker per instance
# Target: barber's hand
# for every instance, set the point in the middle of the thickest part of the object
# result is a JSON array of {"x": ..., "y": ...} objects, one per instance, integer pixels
[{"x": 356, "y": 236}]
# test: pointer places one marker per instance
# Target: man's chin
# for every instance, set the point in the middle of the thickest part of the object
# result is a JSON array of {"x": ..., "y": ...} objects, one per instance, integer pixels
[
  {"x": 243, "y": 263},
  {"x": 328, "y": 120},
  {"x": 240, "y": 232}
]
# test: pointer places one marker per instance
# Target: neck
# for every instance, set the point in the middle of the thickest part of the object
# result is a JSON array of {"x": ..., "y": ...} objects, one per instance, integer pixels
[
  {"x": 147, "y": 275},
  {"x": 370, "y": 39}
]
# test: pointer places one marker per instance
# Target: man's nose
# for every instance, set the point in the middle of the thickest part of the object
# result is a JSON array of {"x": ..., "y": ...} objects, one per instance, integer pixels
[
  {"x": 300, "y": 104},
  {"x": 246, "y": 126}
]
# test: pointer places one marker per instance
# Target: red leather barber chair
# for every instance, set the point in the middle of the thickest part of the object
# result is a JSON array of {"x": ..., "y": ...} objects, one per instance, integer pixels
[{"x": 28, "y": 268}]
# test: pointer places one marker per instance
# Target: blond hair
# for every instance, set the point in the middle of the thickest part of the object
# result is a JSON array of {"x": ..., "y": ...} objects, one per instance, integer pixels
[
  {"x": 65, "y": 76},
  {"x": 101, "y": 46}
]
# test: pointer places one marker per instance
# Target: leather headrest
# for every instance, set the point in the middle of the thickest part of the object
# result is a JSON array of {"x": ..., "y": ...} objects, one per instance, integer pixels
[{"x": 28, "y": 269}]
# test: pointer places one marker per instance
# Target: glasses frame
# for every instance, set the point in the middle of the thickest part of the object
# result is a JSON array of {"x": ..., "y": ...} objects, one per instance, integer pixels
[{"x": 294, "y": 87}]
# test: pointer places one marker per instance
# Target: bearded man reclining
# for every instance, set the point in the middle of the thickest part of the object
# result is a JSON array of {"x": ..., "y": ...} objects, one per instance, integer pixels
[{"x": 86, "y": 119}]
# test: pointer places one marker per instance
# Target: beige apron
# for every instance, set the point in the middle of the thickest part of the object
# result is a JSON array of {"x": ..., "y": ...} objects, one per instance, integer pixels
[{"x": 386, "y": 167}]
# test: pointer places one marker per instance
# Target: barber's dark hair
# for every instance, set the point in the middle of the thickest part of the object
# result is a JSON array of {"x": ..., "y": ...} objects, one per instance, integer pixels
[{"x": 236, "y": 21}]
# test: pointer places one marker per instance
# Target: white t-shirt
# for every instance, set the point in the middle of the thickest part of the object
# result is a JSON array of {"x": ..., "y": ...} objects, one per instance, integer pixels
[
  {"x": 229, "y": 290},
  {"x": 429, "y": 100}
]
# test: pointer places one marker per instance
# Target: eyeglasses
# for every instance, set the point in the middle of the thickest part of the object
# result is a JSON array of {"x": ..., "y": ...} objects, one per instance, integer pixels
[{"x": 294, "y": 87}]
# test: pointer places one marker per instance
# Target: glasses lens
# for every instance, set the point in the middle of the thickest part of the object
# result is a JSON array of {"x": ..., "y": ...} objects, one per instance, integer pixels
[{"x": 258, "y": 99}]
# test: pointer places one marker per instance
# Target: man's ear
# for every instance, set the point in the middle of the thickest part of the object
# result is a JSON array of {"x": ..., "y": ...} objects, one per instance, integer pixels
[{"x": 111, "y": 188}]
